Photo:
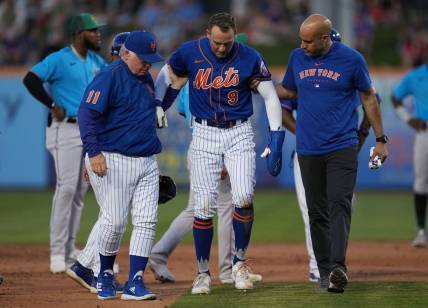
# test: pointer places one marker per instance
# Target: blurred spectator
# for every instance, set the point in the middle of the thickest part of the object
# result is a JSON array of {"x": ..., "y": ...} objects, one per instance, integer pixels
[{"x": 33, "y": 28}]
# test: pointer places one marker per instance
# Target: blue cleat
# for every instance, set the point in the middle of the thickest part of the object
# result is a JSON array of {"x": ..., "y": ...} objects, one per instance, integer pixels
[
  {"x": 136, "y": 290},
  {"x": 105, "y": 286},
  {"x": 116, "y": 284},
  {"x": 81, "y": 275}
]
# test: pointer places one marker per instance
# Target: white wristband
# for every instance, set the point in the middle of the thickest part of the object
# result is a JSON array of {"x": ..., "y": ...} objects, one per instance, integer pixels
[{"x": 403, "y": 114}]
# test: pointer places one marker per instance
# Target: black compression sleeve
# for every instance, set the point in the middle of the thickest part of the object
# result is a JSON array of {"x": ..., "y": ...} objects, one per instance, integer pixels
[{"x": 35, "y": 86}]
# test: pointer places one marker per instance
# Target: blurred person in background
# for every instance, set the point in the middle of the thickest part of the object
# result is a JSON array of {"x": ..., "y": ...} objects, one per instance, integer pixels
[
  {"x": 415, "y": 84},
  {"x": 67, "y": 72}
]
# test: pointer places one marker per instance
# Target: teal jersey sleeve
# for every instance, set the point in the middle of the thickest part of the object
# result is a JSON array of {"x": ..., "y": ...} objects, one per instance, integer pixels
[{"x": 183, "y": 103}]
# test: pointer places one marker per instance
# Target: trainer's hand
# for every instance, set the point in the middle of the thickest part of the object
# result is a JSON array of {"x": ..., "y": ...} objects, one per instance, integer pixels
[
  {"x": 273, "y": 152},
  {"x": 379, "y": 150},
  {"x": 417, "y": 124},
  {"x": 254, "y": 83},
  {"x": 58, "y": 113},
  {"x": 98, "y": 165},
  {"x": 161, "y": 117},
  {"x": 176, "y": 82}
]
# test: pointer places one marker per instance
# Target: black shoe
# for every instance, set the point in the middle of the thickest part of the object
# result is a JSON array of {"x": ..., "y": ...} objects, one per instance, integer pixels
[
  {"x": 324, "y": 282},
  {"x": 338, "y": 280}
]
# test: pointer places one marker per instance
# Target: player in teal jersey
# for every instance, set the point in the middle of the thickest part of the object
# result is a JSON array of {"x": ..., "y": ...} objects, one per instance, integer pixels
[{"x": 67, "y": 72}]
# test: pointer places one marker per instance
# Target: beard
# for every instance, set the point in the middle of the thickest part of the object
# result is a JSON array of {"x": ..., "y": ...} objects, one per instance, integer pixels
[{"x": 90, "y": 45}]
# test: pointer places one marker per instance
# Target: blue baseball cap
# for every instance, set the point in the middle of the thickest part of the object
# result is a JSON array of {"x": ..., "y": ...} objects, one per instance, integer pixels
[
  {"x": 144, "y": 45},
  {"x": 335, "y": 35},
  {"x": 118, "y": 41}
]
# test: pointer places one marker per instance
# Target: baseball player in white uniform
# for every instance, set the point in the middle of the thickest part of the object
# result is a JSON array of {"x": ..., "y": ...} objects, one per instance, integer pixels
[
  {"x": 219, "y": 70},
  {"x": 182, "y": 224}
]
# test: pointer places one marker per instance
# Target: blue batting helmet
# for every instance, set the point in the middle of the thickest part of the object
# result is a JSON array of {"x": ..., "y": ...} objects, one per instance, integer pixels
[
  {"x": 335, "y": 35},
  {"x": 118, "y": 41}
]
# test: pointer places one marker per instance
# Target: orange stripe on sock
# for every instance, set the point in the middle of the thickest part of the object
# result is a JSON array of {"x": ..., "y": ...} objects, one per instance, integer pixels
[
  {"x": 203, "y": 222},
  {"x": 243, "y": 218},
  {"x": 203, "y": 227}
]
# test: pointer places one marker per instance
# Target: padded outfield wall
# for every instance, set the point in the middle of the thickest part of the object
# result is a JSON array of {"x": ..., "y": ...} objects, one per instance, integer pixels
[{"x": 25, "y": 163}]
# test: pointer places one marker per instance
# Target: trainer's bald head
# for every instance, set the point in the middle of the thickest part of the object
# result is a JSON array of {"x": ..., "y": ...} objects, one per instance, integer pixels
[
  {"x": 315, "y": 34},
  {"x": 316, "y": 24}
]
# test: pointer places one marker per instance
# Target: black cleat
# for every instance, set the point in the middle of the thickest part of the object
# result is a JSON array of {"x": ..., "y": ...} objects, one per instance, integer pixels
[{"x": 338, "y": 280}]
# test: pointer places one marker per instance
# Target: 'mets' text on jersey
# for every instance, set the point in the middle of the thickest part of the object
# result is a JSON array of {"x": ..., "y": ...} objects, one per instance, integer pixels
[
  {"x": 328, "y": 96},
  {"x": 219, "y": 87}
]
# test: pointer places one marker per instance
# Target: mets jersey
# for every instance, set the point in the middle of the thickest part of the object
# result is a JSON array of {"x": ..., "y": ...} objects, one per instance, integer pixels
[
  {"x": 68, "y": 75},
  {"x": 117, "y": 113},
  {"x": 327, "y": 87},
  {"x": 219, "y": 87}
]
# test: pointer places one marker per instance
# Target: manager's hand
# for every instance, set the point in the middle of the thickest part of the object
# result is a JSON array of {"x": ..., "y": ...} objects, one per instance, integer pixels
[{"x": 98, "y": 164}]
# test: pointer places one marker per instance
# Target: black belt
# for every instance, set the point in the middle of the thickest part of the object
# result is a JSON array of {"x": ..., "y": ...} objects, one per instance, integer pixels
[
  {"x": 220, "y": 124},
  {"x": 71, "y": 120}
]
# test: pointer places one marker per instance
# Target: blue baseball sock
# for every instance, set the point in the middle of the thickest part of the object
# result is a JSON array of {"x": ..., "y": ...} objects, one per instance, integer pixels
[
  {"x": 203, "y": 231},
  {"x": 242, "y": 224},
  {"x": 136, "y": 264},
  {"x": 106, "y": 263}
]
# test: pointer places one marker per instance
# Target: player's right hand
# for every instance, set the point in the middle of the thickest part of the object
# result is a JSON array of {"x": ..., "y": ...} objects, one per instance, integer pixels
[
  {"x": 58, "y": 113},
  {"x": 273, "y": 152},
  {"x": 161, "y": 117},
  {"x": 417, "y": 124},
  {"x": 98, "y": 164}
]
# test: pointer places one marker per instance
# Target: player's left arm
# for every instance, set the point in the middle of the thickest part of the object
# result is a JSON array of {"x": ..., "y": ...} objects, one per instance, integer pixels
[
  {"x": 273, "y": 151},
  {"x": 273, "y": 106}
]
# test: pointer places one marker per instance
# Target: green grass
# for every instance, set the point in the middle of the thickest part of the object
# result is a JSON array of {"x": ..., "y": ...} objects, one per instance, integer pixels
[
  {"x": 303, "y": 294},
  {"x": 25, "y": 215}
]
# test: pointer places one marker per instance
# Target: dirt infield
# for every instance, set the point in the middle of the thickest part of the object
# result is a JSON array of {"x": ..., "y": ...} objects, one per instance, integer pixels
[{"x": 28, "y": 282}]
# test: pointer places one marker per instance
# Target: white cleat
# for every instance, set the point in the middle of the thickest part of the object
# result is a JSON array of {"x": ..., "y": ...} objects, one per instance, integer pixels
[
  {"x": 161, "y": 272},
  {"x": 241, "y": 276},
  {"x": 57, "y": 264},
  {"x": 202, "y": 284},
  {"x": 420, "y": 239},
  {"x": 226, "y": 280},
  {"x": 255, "y": 277}
]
